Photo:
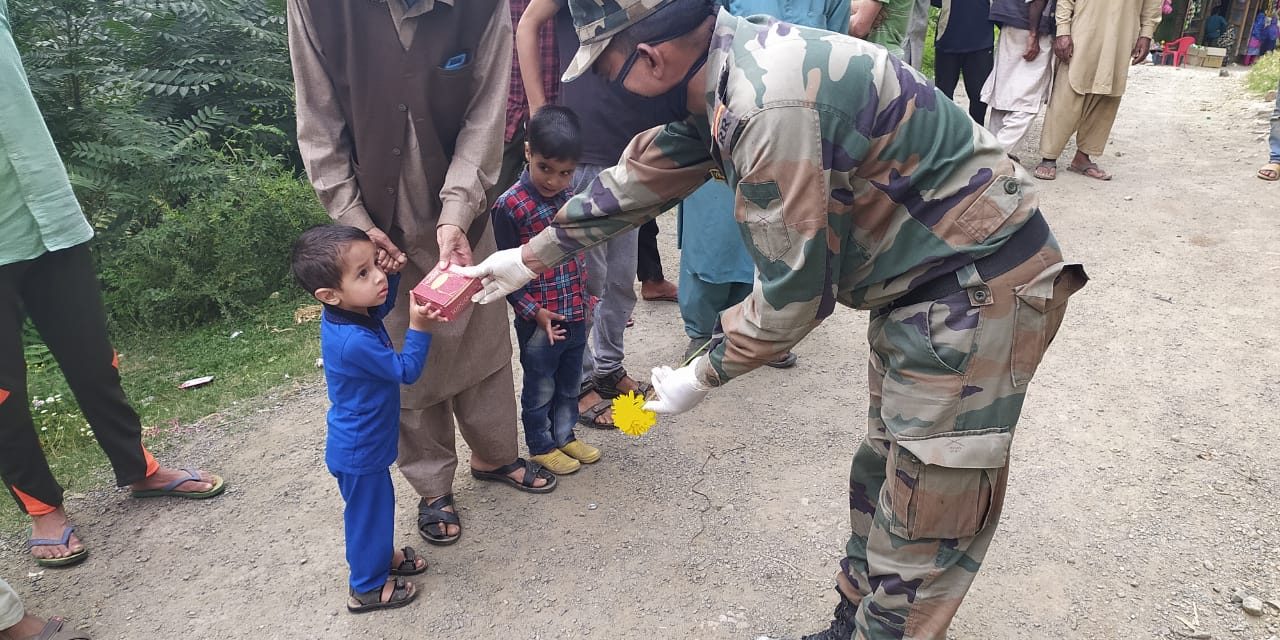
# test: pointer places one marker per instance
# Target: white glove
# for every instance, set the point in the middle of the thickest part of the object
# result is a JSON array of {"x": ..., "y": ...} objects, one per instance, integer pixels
[
  {"x": 678, "y": 390},
  {"x": 500, "y": 274}
]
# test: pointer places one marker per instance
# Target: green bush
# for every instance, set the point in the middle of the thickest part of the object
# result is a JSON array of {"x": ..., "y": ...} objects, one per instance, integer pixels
[
  {"x": 1264, "y": 75},
  {"x": 223, "y": 253}
]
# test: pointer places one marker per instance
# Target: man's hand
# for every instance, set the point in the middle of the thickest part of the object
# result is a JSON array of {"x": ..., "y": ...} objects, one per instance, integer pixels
[
  {"x": 677, "y": 390},
  {"x": 389, "y": 257},
  {"x": 1063, "y": 48},
  {"x": 863, "y": 17},
  {"x": 547, "y": 320},
  {"x": 1140, "y": 49},
  {"x": 501, "y": 274},
  {"x": 422, "y": 316},
  {"x": 1033, "y": 48},
  {"x": 454, "y": 247}
]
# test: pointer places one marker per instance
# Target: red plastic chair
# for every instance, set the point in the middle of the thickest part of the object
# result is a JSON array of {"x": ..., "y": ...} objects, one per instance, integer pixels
[{"x": 1178, "y": 49}]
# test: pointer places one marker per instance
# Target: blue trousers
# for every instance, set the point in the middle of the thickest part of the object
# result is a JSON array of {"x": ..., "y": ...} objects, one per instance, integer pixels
[
  {"x": 369, "y": 520},
  {"x": 1275, "y": 130},
  {"x": 552, "y": 376}
]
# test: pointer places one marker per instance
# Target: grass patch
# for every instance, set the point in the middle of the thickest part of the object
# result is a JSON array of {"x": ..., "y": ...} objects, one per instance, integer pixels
[
  {"x": 269, "y": 351},
  {"x": 1264, "y": 75}
]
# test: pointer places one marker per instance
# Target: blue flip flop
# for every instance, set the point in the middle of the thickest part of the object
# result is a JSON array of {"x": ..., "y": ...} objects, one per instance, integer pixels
[
  {"x": 171, "y": 489},
  {"x": 64, "y": 561}
]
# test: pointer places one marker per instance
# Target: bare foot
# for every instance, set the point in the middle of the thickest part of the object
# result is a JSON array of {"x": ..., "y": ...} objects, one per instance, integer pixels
[
  {"x": 29, "y": 627},
  {"x": 628, "y": 385},
  {"x": 1046, "y": 170},
  {"x": 165, "y": 475},
  {"x": 659, "y": 290},
  {"x": 50, "y": 526}
]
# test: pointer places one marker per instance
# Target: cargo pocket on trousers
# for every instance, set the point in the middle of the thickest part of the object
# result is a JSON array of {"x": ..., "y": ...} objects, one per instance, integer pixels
[
  {"x": 931, "y": 501},
  {"x": 1041, "y": 305},
  {"x": 760, "y": 206}
]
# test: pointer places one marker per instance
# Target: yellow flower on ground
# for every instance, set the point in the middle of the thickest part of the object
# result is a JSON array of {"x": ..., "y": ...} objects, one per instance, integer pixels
[{"x": 630, "y": 416}]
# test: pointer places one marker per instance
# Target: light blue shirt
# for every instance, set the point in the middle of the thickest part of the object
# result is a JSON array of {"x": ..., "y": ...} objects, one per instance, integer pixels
[
  {"x": 38, "y": 210},
  {"x": 820, "y": 14}
]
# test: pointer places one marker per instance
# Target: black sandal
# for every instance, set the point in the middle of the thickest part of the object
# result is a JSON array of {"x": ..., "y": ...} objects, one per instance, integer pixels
[
  {"x": 532, "y": 471},
  {"x": 591, "y": 417},
  {"x": 372, "y": 600},
  {"x": 410, "y": 565},
  {"x": 607, "y": 385},
  {"x": 432, "y": 519}
]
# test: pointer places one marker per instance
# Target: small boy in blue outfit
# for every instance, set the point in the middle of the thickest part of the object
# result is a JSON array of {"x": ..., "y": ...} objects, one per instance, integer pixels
[
  {"x": 551, "y": 311},
  {"x": 337, "y": 265}
]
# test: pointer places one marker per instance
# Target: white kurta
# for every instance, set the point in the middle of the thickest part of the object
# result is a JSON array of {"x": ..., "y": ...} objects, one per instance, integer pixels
[{"x": 1014, "y": 83}]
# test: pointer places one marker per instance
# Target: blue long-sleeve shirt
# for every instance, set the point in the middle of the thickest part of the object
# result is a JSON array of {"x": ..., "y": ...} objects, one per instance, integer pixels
[{"x": 364, "y": 374}]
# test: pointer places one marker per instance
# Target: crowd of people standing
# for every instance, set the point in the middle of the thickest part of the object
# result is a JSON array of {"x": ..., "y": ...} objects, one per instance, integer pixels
[{"x": 533, "y": 149}]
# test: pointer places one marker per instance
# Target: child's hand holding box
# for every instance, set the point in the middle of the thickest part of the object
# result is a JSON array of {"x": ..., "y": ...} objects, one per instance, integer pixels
[{"x": 447, "y": 290}]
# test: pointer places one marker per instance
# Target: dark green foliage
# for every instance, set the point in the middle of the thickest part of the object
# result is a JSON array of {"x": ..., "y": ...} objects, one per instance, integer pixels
[
  {"x": 140, "y": 94},
  {"x": 220, "y": 255}
]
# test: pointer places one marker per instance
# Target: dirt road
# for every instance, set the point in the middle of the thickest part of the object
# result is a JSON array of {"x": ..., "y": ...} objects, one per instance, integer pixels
[{"x": 1144, "y": 480}]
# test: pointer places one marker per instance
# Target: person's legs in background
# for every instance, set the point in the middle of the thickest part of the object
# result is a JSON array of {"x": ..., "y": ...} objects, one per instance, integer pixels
[
  {"x": 60, "y": 292},
  {"x": 977, "y": 66},
  {"x": 1275, "y": 129},
  {"x": 609, "y": 280},
  {"x": 917, "y": 31},
  {"x": 654, "y": 286},
  {"x": 1271, "y": 171},
  {"x": 512, "y": 162}
]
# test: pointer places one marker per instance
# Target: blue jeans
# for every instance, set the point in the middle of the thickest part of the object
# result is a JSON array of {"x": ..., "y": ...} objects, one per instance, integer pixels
[
  {"x": 1275, "y": 129},
  {"x": 552, "y": 373}
]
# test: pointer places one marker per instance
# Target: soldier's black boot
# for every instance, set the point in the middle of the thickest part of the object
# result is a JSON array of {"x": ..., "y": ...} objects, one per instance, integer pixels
[{"x": 842, "y": 626}]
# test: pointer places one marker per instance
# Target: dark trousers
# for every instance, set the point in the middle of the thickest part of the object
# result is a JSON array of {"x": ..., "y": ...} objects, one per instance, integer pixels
[
  {"x": 513, "y": 162},
  {"x": 648, "y": 262},
  {"x": 976, "y": 66},
  {"x": 552, "y": 381},
  {"x": 369, "y": 523},
  {"x": 59, "y": 290}
]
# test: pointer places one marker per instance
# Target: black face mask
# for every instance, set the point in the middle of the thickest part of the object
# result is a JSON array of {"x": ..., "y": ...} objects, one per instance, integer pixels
[{"x": 670, "y": 106}]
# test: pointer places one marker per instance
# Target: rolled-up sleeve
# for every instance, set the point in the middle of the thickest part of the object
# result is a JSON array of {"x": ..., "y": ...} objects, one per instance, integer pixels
[
  {"x": 781, "y": 199},
  {"x": 324, "y": 140},
  {"x": 477, "y": 154},
  {"x": 658, "y": 169}
]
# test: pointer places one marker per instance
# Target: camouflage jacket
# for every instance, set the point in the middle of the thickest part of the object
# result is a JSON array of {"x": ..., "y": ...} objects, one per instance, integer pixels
[{"x": 855, "y": 181}]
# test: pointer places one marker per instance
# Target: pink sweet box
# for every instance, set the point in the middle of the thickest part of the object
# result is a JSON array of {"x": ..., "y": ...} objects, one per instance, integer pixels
[{"x": 449, "y": 291}]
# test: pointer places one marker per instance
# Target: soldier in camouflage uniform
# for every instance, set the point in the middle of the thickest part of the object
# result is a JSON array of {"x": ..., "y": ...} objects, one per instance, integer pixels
[{"x": 856, "y": 182}]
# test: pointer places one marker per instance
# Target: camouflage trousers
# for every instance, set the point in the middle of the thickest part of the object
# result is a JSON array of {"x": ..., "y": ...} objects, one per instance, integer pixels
[{"x": 947, "y": 381}]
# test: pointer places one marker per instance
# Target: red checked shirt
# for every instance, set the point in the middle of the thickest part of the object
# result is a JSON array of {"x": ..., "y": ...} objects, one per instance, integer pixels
[
  {"x": 518, "y": 215},
  {"x": 517, "y": 102}
]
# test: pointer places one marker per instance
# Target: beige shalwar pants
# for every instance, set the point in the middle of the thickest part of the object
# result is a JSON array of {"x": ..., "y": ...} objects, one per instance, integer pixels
[
  {"x": 486, "y": 416},
  {"x": 11, "y": 611},
  {"x": 1089, "y": 116}
]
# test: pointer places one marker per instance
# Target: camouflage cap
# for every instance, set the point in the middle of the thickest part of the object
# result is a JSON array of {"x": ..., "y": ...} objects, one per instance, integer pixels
[{"x": 597, "y": 21}]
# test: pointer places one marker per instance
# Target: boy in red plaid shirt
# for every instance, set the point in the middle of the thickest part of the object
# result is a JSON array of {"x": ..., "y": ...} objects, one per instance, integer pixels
[{"x": 551, "y": 311}]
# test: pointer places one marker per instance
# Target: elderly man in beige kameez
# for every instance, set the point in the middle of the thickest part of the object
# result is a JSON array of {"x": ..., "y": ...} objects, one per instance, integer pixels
[
  {"x": 400, "y": 111},
  {"x": 1096, "y": 42}
]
